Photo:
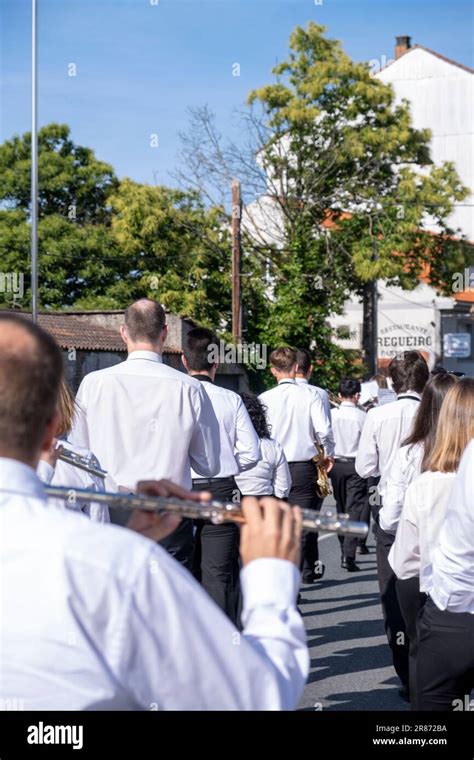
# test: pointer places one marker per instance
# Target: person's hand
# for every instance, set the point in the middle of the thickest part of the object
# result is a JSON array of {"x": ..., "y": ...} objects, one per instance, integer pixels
[
  {"x": 52, "y": 454},
  {"x": 156, "y": 526},
  {"x": 272, "y": 528},
  {"x": 328, "y": 464}
]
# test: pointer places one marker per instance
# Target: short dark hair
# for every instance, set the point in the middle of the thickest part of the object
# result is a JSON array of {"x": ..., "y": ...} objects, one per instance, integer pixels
[
  {"x": 196, "y": 349},
  {"x": 348, "y": 387},
  {"x": 283, "y": 358},
  {"x": 410, "y": 373},
  {"x": 31, "y": 368},
  {"x": 145, "y": 320},
  {"x": 257, "y": 413},
  {"x": 303, "y": 360}
]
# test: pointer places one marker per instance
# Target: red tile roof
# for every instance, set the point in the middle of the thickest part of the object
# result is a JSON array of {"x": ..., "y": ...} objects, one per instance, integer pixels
[{"x": 73, "y": 331}]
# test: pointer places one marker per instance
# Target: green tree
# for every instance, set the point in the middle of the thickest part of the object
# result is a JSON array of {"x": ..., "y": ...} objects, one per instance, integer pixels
[{"x": 341, "y": 190}]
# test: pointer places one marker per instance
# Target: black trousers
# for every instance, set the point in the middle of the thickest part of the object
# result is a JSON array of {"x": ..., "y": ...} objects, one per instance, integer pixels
[
  {"x": 445, "y": 667},
  {"x": 215, "y": 561},
  {"x": 395, "y": 627},
  {"x": 180, "y": 543},
  {"x": 372, "y": 496},
  {"x": 350, "y": 493},
  {"x": 411, "y": 601},
  {"x": 303, "y": 493}
]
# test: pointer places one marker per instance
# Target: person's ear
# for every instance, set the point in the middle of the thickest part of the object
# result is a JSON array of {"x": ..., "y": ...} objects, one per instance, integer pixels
[
  {"x": 124, "y": 334},
  {"x": 185, "y": 363},
  {"x": 164, "y": 334},
  {"x": 274, "y": 372}
]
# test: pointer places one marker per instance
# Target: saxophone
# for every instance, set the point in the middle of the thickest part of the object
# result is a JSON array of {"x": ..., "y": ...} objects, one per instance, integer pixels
[{"x": 323, "y": 484}]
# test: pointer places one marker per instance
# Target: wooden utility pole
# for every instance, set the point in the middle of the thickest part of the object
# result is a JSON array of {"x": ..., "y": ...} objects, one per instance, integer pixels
[{"x": 236, "y": 262}]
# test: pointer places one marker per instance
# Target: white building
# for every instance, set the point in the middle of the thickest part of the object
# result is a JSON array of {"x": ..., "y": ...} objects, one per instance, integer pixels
[{"x": 441, "y": 96}]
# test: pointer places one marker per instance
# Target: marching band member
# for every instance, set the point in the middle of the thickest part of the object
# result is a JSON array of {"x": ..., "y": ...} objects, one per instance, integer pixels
[
  {"x": 426, "y": 502},
  {"x": 303, "y": 375},
  {"x": 384, "y": 430},
  {"x": 216, "y": 547},
  {"x": 107, "y": 619},
  {"x": 146, "y": 420},
  {"x": 52, "y": 471},
  {"x": 445, "y": 663},
  {"x": 350, "y": 490},
  {"x": 297, "y": 419},
  {"x": 271, "y": 475}
]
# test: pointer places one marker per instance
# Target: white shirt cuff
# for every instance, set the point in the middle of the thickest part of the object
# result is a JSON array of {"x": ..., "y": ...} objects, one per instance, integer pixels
[{"x": 269, "y": 582}]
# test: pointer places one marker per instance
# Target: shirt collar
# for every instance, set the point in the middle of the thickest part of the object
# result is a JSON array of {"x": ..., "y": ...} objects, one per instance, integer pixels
[
  {"x": 301, "y": 380},
  {"x": 202, "y": 378},
  {"x": 409, "y": 393},
  {"x": 348, "y": 403},
  {"x": 151, "y": 356},
  {"x": 287, "y": 380},
  {"x": 19, "y": 478}
]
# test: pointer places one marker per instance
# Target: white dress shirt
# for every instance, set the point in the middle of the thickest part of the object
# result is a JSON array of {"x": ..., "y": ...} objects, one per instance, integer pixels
[
  {"x": 406, "y": 466},
  {"x": 329, "y": 446},
  {"x": 239, "y": 447},
  {"x": 64, "y": 474},
  {"x": 145, "y": 420},
  {"x": 98, "y": 617},
  {"x": 323, "y": 395},
  {"x": 347, "y": 423},
  {"x": 297, "y": 418},
  {"x": 271, "y": 474},
  {"x": 423, "y": 513},
  {"x": 385, "y": 428},
  {"x": 449, "y": 579}
]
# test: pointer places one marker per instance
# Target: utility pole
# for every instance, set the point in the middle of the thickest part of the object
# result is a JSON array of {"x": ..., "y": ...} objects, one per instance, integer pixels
[
  {"x": 369, "y": 327},
  {"x": 34, "y": 162},
  {"x": 236, "y": 262}
]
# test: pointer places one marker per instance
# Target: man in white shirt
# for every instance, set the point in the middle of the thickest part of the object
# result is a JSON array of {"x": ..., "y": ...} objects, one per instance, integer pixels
[
  {"x": 297, "y": 419},
  {"x": 445, "y": 664},
  {"x": 98, "y": 617},
  {"x": 350, "y": 490},
  {"x": 303, "y": 376},
  {"x": 145, "y": 420},
  {"x": 384, "y": 431},
  {"x": 216, "y": 547}
]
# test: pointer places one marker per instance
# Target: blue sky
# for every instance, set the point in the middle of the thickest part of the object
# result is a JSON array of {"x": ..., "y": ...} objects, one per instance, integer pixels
[{"x": 141, "y": 63}]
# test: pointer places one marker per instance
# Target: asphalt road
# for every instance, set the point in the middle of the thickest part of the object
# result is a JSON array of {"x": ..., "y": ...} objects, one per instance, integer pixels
[{"x": 350, "y": 658}]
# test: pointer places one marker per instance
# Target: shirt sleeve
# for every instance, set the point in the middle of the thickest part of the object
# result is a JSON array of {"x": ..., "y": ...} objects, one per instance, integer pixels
[
  {"x": 282, "y": 476},
  {"x": 79, "y": 434},
  {"x": 45, "y": 472},
  {"x": 180, "y": 652},
  {"x": 367, "y": 459},
  {"x": 404, "y": 556},
  {"x": 396, "y": 488},
  {"x": 204, "y": 449},
  {"x": 247, "y": 449},
  {"x": 322, "y": 425}
]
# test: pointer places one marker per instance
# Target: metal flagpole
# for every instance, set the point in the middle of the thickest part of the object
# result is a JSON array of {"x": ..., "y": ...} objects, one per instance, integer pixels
[{"x": 34, "y": 162}]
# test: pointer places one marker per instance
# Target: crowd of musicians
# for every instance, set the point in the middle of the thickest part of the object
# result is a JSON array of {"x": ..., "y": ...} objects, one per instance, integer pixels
[{"x": 171, "y": 614}]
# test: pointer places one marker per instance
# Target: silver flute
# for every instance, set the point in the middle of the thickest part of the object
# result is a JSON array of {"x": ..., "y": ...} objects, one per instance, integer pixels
[
  {"x": 81, "y": 462},
  {"x": 216, "y": 511}
]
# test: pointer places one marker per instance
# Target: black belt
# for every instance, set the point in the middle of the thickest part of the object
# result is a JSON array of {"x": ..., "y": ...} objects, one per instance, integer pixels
[
  {"x": 214, "y": 480},
  {"x": 345, "y": 459}
]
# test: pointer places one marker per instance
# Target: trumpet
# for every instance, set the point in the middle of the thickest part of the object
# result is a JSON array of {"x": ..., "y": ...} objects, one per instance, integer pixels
[
  {"x": 323, "y": 485},
  {"x": 216, "y": 511},
  {"x": 82, "y": 463}
]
